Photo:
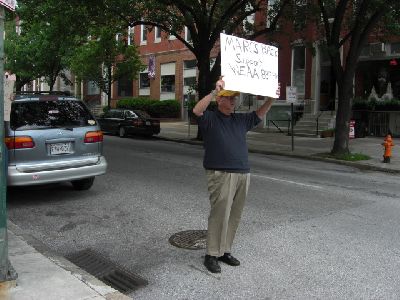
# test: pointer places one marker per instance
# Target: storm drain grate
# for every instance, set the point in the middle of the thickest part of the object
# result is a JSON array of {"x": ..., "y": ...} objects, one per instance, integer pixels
[
  {"x": 190, "y": 239},
  {"x": 106, "y": 271}
]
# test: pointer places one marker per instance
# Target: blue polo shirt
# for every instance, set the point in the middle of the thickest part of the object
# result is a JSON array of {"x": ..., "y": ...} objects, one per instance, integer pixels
[{"x": 225, "y": 140}]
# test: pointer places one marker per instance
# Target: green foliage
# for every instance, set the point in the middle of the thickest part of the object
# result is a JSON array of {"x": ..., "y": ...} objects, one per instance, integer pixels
[
  {"x": 104, "y": 60},
  {"x": 165, "y": 109},
  {"x": 136, "y": 103},
  {"x": 346, "y": 156},
  {"x": 374, "y": 105},
  {"x": 45, "y": 43},
  {"x": 388, "y": 105},
  {"x": 106, "y": 109},
  {"x": 156, "y": 108}
]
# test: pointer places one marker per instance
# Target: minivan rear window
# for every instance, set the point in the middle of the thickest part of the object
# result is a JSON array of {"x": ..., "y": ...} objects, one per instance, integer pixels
[{"x": 49, "y": 114}]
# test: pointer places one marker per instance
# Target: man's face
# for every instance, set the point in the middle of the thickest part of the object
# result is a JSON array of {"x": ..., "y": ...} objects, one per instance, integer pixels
[{"x": 227, "y": 104}]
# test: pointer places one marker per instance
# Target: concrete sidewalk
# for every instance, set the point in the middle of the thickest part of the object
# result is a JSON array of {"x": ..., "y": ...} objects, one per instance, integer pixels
[
  {"x": 42, "y": 275},
  {"x": 266, "y": 141}
]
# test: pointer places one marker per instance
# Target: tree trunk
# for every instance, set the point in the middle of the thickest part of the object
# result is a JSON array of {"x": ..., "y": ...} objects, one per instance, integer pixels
[
  {"x": 204, "y": 81},
  {"x": 109, "y": 83},
  {"x": 343, "y": 114}
]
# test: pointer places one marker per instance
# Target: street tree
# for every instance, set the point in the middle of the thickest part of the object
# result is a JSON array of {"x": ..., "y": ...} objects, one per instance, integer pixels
[
  {"x": 19, "y": 55},
  {"x": 42, "y": 46},
  {"x": 347, "y": 25},
  {"x": 204, "y": 20},
  {"x": 104, "y": 59}
]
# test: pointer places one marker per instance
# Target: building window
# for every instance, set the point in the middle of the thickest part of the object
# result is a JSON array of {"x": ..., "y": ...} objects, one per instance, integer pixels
[
  {"x": 143, "y": 34},
  {"x": 157, "y": 35},
  {"x": 168, "y": 83},
  {"x": 298, "y": 68},
  {"x": 271, "y": 13},
  {"x": 131, "y": 40},
  {"x": 144, "y": 81},
  {"x": 248, "y": 23},
  {"x": 119, "y": 37},
  {"x": 189, "y": 64},
  {"x": 188, "y": 36},
  {"x": 92, "y": 88},
  {"x": 189, "y": 78},
  {"x": 125, "y": 87},
  {"x": 189, "y": 81},
  {"x": 395, "y": 48}
]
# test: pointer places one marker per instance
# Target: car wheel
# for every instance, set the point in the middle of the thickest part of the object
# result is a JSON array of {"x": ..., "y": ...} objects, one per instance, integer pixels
[
  {"x": 122, "y": 132},
  {"x": 83, "y": 184}
]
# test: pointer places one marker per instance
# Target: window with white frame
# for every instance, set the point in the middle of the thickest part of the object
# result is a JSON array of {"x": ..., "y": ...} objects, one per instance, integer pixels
[
  {"x": 298, "y": 68},
  {"x": 188, "y": 36},
  {"x": 395, "y": 48},
  {"x": 157, "y": 35},
  {"x": 131, "y": 40},
  {"x": 248, "y": 23},
  {"x": 144, "y": 83},
  {"x": 119, "y": 37},
  {"x": 92, "y": 88},
  {"x": 143, "y": 34},
  {"x": 167, "y": 78},
  {"x": 212, "y": 62},
  {"x": 125, "y": 87},
  {"x": 271, "y": 13},
  {"x": 189, "y": 78}
]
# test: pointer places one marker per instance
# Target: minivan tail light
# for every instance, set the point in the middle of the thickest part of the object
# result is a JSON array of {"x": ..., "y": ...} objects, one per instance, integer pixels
[
  {"x": 19, "y": 142},
  {"x": 93, "y": 136}
]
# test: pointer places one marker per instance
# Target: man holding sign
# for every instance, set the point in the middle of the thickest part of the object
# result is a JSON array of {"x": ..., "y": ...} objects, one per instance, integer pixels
[{"x": 227, "y": 168}]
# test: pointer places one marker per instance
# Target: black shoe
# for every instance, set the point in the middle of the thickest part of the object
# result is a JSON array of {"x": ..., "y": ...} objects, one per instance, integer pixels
[
  {"x": 229, "y": 259},
  {"x": 211, "y": 263}
]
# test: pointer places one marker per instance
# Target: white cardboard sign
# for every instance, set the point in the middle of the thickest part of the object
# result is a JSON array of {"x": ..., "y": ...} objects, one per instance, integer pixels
[{"x": 249, "y": 66}]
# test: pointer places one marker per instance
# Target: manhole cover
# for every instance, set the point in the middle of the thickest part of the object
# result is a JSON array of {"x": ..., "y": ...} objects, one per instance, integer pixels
[
  {"x": 106, "y": 271},
  {"x": 190, "y": 239}
]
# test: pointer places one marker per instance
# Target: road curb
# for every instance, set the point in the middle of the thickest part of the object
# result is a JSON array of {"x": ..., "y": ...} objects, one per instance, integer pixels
[
  {"x": 92, "y": 282},
  {"x": 363, "y": 167}
]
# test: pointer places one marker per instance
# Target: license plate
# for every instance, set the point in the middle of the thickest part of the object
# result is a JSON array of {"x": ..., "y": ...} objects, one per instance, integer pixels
[
  {"x": 148, "y": 123},
  {"x": 60, "y": 148}
]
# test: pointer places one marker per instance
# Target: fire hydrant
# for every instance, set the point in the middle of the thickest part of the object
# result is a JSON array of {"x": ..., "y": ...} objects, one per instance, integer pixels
[{"x": 387, "y": 144}]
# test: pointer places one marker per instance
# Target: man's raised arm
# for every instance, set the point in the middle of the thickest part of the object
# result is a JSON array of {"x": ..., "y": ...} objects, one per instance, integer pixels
[
  {"x": 263, "y": 109},
  {"x": 202, "y": 105}
]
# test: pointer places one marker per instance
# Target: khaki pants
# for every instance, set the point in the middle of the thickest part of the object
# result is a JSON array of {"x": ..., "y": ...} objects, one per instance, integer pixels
[{"x": 228, "y": 193}]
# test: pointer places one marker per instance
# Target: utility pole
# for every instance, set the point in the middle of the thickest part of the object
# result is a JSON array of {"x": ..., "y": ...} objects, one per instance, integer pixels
[{"x": 6, "y": 271}]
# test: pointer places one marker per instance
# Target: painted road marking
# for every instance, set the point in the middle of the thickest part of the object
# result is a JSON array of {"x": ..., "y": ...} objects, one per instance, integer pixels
[{"x": 289, "y": 181}]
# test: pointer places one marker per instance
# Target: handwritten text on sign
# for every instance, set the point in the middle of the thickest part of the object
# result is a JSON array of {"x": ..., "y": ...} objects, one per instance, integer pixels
[{"x": 248, "y": 66}]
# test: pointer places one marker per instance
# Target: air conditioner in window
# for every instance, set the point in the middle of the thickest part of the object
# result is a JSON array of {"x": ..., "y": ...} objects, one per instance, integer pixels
[{"x": 377, "y": 48}]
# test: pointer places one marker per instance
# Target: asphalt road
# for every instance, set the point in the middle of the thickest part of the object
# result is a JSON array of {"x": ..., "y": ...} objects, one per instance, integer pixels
[{"x": 310, "y": 230}]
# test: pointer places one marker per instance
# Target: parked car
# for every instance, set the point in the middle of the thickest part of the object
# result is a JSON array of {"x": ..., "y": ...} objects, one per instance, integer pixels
[
  {"x": 127, "y": 121},
  {"x": 53, "y": 138}
]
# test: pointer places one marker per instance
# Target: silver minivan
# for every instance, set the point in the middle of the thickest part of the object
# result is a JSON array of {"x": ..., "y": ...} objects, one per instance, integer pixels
[{"x": 53, "y": 138}]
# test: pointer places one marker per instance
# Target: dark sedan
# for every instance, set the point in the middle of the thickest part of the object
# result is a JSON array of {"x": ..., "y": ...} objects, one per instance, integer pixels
[{"x": 127, "y": 121}]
